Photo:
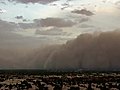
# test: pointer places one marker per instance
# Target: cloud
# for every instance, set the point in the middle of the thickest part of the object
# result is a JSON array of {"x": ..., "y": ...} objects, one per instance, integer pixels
[
  {"x": 48, "y": 22},
  {"x": 19, "y": 17},
  {"x": 56, "y": 22},
  {"x": 53, "y": 4},
  {"x": 86, "y": 26},
  {"x": 117, "y": 4},
  {"x": 51, "y": 31},
  {"x": 2, "y": 2},
  {"x": 69, "y": 0},
  {"x": 27, "y": 25},
  {"x": 25, "y": 20},
  {"x": 19, "y": 50},
  {"x": 83, "y": 19},
  {"x": 7, "y": 26},
  {"x": 9, "y": 35},
  {"x": 87, "y": 51},
  {"x": 2, "y": 11},
  {"x": 65, "y": 5},
  {"x": 33, "y": 1},
  {"x": 83, "y": 12}
]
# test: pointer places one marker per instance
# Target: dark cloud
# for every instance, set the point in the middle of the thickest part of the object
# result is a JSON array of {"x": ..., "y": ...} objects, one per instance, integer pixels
[
  {"x": 27, "y": 25},
  {"x": 11, "y": 26},
  {"x": 52, "y": 31},
  {"x": 53, "y": 4},
  {"x": 15, "y": 48},
  {"x": 99, "y": 51},
  {"x": 88, "y": 51},
  {"x": 33, "y": 1},
  {"x": 64, "y": 8},
  {"x": 19, "y": 17},
  {"x": 7, "y": 26},
  {"x": 65, "y": 5},
  {"x": 22, "y": 18},
  {"x": 83, "y": 12},
  {"x": 3, "y": 3},
  {"x": 69, "y": 0},
  {"x": 8, "y": 34},
  {"x": 56, "y": 22},
  {"x": 19, "y": 50},
  {"x": 104, "y": 1},
  {"x": 25, "y": 20},
  {"x": 83, "y": 19},
  {"x": 118, "y": 4}
]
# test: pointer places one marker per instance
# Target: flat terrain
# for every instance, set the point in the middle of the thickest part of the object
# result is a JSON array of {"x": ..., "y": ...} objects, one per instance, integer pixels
[{"x": 59, "y": 80}]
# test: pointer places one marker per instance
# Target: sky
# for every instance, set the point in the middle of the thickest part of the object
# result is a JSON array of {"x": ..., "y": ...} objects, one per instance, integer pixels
[
  {"x": 29, "y": 24},
  {"x": 58, "y": 20}
]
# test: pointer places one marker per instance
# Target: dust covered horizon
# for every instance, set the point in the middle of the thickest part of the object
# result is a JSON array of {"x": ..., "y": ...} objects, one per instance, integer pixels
[{"x": 98, "y": 50}]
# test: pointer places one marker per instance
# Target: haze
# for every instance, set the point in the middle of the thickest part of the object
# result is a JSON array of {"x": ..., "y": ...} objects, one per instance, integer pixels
[{"x": 59, "y": 34}]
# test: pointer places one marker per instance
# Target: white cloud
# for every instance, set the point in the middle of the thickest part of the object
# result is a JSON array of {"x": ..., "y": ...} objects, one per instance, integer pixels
[{"x": 3, "y": 11}]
